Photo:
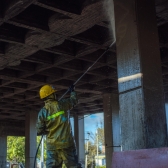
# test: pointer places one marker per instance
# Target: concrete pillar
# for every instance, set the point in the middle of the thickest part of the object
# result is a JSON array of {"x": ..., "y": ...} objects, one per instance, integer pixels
[
  {"x": 76, "y": 132},
  {"x": 116, "y": 125},
  {"x": 166, "y": 109},
  {"x": 3, "y": 151},
  {"x": 30, "y": 140},
  {"x": 111, "y": 125},
  {"x": 142, "y": 112},
  {"x": 81, "y": 140}
]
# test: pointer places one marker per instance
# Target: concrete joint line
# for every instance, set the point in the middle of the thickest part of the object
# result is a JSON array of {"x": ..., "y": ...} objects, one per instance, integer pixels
[
  {"x": 113, "y": 146},
  {"x": 136, "y": 88}
]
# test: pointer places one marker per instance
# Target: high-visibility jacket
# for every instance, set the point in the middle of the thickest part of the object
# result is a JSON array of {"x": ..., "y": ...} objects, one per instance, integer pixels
[{"x": 53, "y": 121}]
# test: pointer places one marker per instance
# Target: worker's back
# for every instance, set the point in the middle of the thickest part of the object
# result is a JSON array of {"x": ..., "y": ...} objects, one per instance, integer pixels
[
  {"x": 53, "y": 120},
  {"x": 58, "y": 127}
]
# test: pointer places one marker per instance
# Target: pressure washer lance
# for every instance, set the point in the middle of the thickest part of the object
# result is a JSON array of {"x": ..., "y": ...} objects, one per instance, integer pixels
[
  {"x": 74, "y": 85},
  {"x": 87, "y": 70}
]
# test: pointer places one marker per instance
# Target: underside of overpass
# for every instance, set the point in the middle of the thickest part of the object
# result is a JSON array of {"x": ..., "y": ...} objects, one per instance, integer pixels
[{"x": 55, "y": 42}]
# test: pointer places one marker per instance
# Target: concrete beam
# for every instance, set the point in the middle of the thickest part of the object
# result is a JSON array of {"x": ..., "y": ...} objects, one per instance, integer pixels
[{"x": 12, "y": 129}]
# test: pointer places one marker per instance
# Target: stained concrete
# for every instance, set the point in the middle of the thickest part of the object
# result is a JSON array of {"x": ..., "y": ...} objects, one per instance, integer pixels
[
  {"x": 141, "y": 99},
  {"x": 111, "y": 125}
]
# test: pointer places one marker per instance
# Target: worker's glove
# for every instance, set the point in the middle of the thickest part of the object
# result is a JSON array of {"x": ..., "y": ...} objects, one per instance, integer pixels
[
  {"x": 71, "y": 88},
  {"x": 79, "y": 165}
]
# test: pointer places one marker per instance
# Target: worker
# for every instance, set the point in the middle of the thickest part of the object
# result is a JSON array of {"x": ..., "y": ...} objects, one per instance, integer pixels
[{"x": 53, "y": 121}]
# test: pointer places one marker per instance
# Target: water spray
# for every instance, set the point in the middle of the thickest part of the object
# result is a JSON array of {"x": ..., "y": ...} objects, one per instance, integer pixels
[{"x": 107, "y": 49}]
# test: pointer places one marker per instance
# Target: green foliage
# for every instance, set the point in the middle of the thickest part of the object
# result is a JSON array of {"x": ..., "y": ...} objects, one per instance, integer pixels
[
  {"x": 16, "y": 149},
  {"x": 100, "y": 167},
  {"x": 92, "y": 149}
]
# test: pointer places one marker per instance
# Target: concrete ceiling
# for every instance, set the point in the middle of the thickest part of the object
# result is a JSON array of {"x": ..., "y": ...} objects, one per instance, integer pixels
[{"x": 55, "y": 42}]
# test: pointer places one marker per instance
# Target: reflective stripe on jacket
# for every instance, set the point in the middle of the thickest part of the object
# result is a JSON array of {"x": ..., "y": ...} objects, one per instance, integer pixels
[{"x": 53, "y": 120}]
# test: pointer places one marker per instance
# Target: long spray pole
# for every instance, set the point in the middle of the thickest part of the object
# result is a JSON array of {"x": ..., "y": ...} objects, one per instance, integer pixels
[
  {"x": 88, "y": 69},
  {"x": 74, "y": 85}
]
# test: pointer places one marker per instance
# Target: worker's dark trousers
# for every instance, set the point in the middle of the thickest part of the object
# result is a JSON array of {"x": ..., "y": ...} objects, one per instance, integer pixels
[{"x": 55, "y": 158}]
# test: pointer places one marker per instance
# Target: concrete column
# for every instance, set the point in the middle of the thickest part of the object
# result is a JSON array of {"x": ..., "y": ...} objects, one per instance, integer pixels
[
  {"x": 116, "y": 125},
  {"x": 166, "y": 109},
  {"x": 111, "y": 125},
  {"x": 81, "y": 141},
  {"x": 30, "y": 141},
  {"x": 76, "y": 132},
  {"x": 142, "y": 112},
  {"x": 3, "y": 151}
]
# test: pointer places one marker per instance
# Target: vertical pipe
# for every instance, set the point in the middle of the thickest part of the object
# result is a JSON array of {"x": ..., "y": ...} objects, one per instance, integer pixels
[
  {"x": 97, "y": 149},
  {"x": 42, "y": 153},
  {"x": 87, "y": 145}
]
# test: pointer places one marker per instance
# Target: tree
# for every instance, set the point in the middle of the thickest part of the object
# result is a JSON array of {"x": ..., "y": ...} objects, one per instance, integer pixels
[
  {"x": 100, "y": 132},
  {"x": 92, "y": 146},
  {"x": 91, "y": 154},
  {"x": 16, "y": 149}
]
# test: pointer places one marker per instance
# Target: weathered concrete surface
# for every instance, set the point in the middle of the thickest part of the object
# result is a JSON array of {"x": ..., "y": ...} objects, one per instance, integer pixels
[
  {"x": 116, "y": 122},
  {"x": 81, "y": 140},
  {"x": 108, "y": 131},
  {"x": 30, "y": 141},
  {"x": 111, "y": 125},
  {"x": 141, "y": 99},
  {"x": 3, "y": 151},
  {"x": 132, "y": 120},
  {"x": 144, "y": 158}
]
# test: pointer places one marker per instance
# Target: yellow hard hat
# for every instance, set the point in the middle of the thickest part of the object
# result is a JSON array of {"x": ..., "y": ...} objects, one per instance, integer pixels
[{"x": 46, "y": 90}]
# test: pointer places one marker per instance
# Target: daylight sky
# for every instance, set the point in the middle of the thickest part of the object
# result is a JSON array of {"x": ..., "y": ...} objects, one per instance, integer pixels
[{"x": 91, "y": 122}]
